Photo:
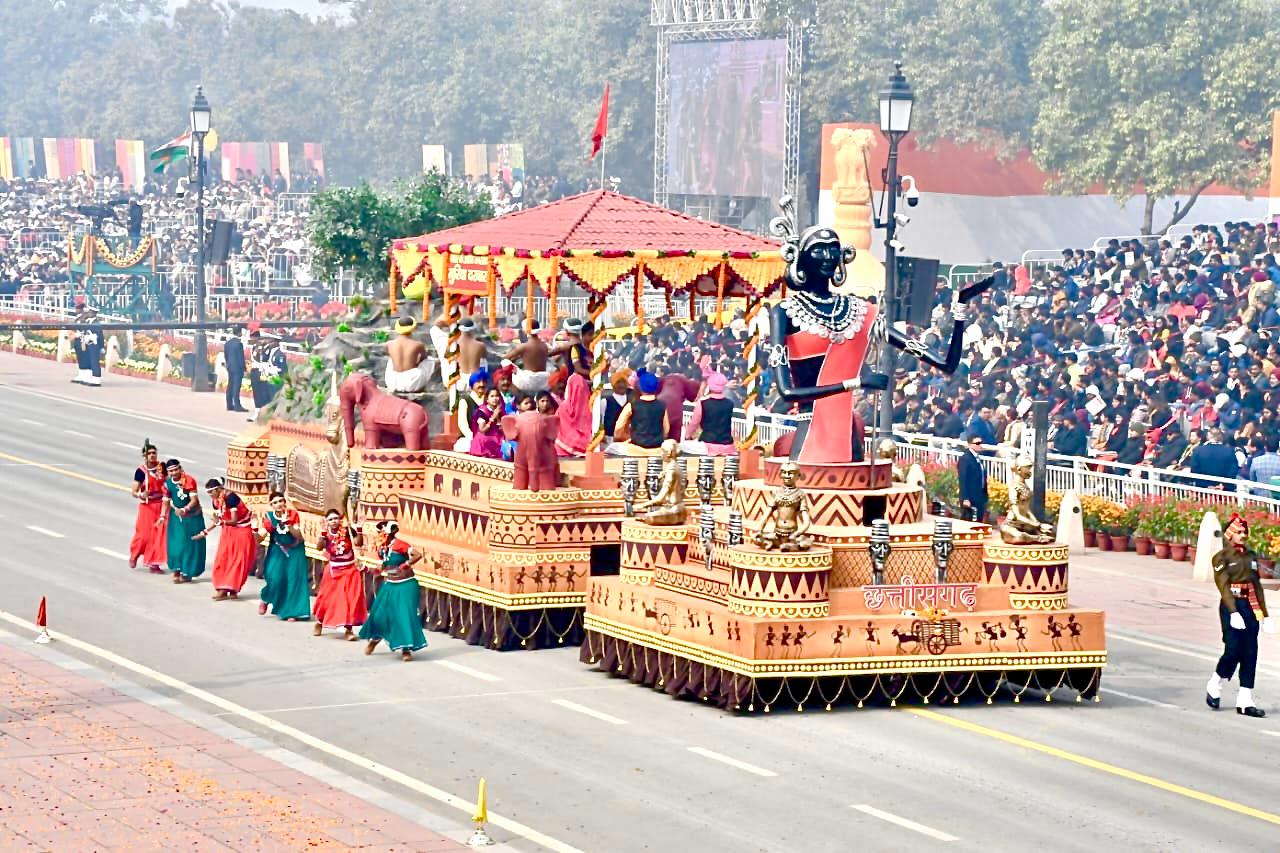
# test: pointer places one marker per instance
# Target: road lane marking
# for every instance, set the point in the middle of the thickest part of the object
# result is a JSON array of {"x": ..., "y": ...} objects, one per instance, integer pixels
[
  {"x": 63, "y": 471},
  {"x": 78, "y": 434},
  {"x": 107, "y": 552},
  {"x": 44, "y": 531},
  {"x": 466, "y": 670},
  {"x": 31, "y": 422},
  {"x": 936, "y": 834},
  {"x": 590, "y": 712},
  {"x": 1273, "y": 734},
  {"x": 1094, "y": 764},
  {"x": 732, "y": 762},
  {"x": 129, "y": 413},
  {"x": 1137, "y": 698},
  {"x": 126, "y": 445},
  {"x": 1111, "y": 635},
  {"x": 232, "y": 709}
]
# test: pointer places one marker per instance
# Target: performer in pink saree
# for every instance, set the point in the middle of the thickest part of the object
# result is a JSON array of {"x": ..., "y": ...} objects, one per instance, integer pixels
[{"x": 820, "y": 342}]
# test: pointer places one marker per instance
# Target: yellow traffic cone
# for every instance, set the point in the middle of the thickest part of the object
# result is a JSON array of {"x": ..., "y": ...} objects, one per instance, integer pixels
[{"x": 480, "y": 837}]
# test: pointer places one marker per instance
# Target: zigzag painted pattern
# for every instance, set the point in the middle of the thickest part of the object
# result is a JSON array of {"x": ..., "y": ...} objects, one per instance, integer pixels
[{"x": 447, "y": 524}]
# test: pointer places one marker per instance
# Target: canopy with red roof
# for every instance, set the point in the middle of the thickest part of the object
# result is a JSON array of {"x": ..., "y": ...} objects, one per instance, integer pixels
[{"x": 598, "y": 239}]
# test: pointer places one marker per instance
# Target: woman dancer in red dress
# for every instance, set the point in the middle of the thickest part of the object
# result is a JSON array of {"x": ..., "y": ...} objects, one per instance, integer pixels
[
  {"x": 238, "y": 545},
  {"x": 340, "y": 600},
  {"x": 148, "y": 530}
]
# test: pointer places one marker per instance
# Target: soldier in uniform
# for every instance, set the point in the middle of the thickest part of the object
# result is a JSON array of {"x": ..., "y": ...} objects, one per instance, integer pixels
[{"x": 1242, "y": 611}]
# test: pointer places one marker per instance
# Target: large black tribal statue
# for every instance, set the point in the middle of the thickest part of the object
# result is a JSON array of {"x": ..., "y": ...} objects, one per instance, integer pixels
[{"x": 820, "y": 340}]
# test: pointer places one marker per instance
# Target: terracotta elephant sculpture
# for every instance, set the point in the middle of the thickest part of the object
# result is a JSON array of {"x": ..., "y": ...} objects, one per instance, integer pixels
[{"x": 382, "y": 415}]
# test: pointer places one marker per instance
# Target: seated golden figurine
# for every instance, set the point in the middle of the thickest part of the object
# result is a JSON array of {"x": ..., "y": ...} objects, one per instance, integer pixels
[
  {"x": 887, "y": 452},
  {"x": 789, "y": 514},
  {"x": 667, "y": 506},
  {"x": 1021, "y": 527}
]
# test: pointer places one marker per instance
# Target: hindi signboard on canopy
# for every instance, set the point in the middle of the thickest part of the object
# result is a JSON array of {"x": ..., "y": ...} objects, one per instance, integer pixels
[{"x": 468, "y": 277}]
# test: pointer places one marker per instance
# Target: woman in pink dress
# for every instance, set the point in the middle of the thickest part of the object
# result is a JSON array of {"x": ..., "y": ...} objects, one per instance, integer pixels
[
  {"x": 486, "y": 426},
  {"x": 575, "y": 418}
]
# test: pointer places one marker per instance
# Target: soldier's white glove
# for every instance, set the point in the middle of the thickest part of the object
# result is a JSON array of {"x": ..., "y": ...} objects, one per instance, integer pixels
[
  {"x": 1268, "y": 626},
  {"x": 1237, "y": 621}
]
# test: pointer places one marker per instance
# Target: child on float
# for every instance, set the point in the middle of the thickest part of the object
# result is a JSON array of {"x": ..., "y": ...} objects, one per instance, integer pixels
[
  {"x": 340, "y": 599},
  {"x": 394, "y": 615}
]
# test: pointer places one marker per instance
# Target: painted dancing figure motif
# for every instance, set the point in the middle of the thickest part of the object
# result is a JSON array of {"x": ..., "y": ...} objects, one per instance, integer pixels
[
  {"x": 520, "y": 576},
  {"x": 537, "y": 579},
  {"x": 1019, "y": 632},
  {"x": 769, "y": 637},
  {"x": 553, "y": 577},
  {"x": 798, "y": 642},
  {"x": 837, "y": 638},
  {"x": 1075, "y": 628},
  {"x": 990, "y": 633},
  {"x": 873, "y": 638},
  {"x": 1054, "y": 632}
]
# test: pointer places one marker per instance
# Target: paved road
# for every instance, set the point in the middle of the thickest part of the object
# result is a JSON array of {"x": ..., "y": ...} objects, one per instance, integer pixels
[{"x": 593, "y": 763}]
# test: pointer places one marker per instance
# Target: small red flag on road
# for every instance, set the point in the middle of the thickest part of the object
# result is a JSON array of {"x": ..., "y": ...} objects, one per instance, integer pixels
[
  {"x": 41, "y": 616},
  {"x": 602, "y": 125}
]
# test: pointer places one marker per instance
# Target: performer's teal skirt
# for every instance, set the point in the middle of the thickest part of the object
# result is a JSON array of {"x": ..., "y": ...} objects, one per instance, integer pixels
[
  {"x": 394, "y": 616},
  {"x": 186, "y": 556},
  {"x": 288, "y": 585}
]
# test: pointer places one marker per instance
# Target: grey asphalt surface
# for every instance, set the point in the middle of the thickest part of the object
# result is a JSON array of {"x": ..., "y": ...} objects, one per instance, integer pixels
[{"x": 632, "y": 782}]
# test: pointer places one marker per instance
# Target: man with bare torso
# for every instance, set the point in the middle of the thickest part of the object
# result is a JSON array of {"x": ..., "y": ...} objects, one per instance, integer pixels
[
  {"x": 532, "y": 375},
  {"x": 473, "y": 352},
  {"x": 408, "y": 367}
]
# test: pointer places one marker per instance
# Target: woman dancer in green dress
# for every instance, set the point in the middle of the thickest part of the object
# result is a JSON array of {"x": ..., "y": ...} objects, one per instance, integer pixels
[
  {"x": 186, "y": 521},
  {"x": 394, "y": 616},
  {"x": 287, "y": 590}
]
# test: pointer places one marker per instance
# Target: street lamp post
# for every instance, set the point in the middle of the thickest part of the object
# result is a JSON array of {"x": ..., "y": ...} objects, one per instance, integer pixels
[
  {"x": 201, "y": 116},
  {"x": 896, "y": 101}
]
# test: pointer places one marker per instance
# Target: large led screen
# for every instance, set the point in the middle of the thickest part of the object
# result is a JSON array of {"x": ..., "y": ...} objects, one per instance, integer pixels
[{"x": 725, "y": 125}]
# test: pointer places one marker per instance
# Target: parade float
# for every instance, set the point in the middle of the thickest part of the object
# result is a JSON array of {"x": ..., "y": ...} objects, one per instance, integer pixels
[{"x": 801, "y": 579}]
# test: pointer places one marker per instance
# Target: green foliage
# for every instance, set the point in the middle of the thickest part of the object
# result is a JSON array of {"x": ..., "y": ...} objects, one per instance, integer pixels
[
  {"x": 353, "y": 227},
  {"x": 1156, "y": 99}
]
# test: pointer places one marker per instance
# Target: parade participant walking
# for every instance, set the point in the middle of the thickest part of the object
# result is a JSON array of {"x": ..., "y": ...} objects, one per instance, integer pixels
[
  {"x": 1243, "y": 603},
  {"x": 148, "y": 540},
  {"x": 340, "y": 598},
  {"x": 237, "y": 546},
  {"x": 394, "y": 616},
  {"x": 286, "y": 590},
  {"x": 185, "y": 548}
]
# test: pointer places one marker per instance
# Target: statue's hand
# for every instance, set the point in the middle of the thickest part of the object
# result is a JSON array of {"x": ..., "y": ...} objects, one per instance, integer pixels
[
  {"x": 973, "y": 291},
  {"x": 873, "y": 381}
]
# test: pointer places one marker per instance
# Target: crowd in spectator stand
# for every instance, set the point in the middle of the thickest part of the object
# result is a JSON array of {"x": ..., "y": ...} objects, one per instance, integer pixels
[
  {"x": 517, "y": 192},
  {"x": 36, "y": 215},
  {"x": 1154, "y": 353}
]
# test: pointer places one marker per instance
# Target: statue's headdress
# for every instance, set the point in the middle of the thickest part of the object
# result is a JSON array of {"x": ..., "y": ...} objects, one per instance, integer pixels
[{"x": 796, "y": 244}]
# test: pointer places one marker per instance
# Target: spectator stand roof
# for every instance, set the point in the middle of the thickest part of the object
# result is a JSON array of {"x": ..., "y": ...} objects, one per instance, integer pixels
[{"x": 599, "y": 239}]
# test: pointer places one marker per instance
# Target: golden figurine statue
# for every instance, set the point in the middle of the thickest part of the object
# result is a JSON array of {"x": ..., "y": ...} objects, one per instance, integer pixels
[
  {"x": 667, "y": 506},
  {"x": 887, "y": 452},
  {"x": 1021, "y": 527},
  {"x": 789, "y": 514}
]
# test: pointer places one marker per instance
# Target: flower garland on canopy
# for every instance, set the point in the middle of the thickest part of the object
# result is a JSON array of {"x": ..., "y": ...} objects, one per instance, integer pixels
[{"x": 146, "y": 246}]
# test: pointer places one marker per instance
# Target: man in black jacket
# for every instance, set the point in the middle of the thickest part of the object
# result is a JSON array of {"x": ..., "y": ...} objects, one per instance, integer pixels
[
  {"x": 973, "y": 481},
  {"x": 1214, "y": 459},
  {"x": 233, "y": 353}
]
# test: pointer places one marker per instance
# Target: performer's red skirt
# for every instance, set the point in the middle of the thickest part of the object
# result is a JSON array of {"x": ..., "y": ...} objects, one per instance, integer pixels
[
  {"x": 148, "y": 544},
  {"x": 237, "y": 554},
  {"x": 340, "y": 600}
]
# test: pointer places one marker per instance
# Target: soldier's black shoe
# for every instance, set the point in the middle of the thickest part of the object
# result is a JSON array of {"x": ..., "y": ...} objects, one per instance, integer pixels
[
  {"x": 1251, "y": 712},
  {"x": 1215, "y": 704}
]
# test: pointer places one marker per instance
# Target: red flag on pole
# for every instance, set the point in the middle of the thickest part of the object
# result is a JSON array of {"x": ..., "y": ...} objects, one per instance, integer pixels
[
  {"x": 41, "y": 617},
  {"x": 602, "y": 125}
]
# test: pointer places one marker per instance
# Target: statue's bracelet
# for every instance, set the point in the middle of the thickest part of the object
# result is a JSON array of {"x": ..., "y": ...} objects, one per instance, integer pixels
[{"x": 852, "y": 384}]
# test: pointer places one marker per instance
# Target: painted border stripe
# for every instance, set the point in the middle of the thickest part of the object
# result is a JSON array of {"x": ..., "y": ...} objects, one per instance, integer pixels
[
  {"x": 936, "y": 834},
  {"x": 52, "y": 534},
  {"x": 466, "y": 670},
  {"x": 285, "y": 730},
  {"x": 590, "y": 712},
  {"x": 1094, "y": 764},
  {"x": 78, "y": 434},
  {"x": 732, "y": 762},
  {"x": 107, "y": 552}
]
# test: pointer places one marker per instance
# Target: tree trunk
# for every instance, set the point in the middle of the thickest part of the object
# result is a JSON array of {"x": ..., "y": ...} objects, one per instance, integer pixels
[
  {"x": 1148, "y": 213},
  {"x": 1180, "y": 213}
]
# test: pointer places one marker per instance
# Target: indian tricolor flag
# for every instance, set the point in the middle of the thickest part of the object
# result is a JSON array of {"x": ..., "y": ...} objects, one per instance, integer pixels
[{"x": 178, "y": 148}]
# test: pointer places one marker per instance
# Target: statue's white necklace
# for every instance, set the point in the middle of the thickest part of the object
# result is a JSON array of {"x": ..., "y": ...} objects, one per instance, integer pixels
[{"x": 837, "y": 317}]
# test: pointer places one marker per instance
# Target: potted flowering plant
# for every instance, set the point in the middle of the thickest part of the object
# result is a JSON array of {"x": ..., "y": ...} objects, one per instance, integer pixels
[
  {"x": 1142, "y": 509},
  {"x": 1117, "y": 522},
  {"x": 1158, "y": 526},
  {"x": 1091, "y": 508}
]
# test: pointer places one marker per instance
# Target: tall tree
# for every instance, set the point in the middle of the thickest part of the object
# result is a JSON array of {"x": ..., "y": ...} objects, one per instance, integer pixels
[
  {"x": 352, "y": 227},
  {"x": 1155, "y": 99}
]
